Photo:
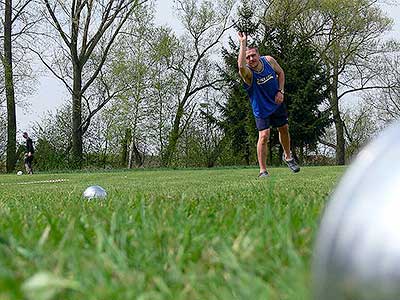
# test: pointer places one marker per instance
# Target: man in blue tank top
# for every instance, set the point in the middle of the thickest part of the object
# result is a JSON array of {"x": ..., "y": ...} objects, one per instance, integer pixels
[{"x": 264, "y": 82}]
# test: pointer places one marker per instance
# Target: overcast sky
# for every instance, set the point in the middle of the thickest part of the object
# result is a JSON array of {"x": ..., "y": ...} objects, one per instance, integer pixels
[{"x": 51, "y": 93}]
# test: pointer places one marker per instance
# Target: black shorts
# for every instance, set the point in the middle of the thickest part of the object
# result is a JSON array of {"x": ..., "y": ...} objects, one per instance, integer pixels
[
  {"x": 28, "y": 160},
  {"x": 277, "y": 119}
]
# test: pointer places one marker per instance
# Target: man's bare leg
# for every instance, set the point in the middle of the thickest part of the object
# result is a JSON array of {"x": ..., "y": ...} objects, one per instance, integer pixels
[
  {"x": 263, "y": 137},
  {"x": 284, "y": 139}
]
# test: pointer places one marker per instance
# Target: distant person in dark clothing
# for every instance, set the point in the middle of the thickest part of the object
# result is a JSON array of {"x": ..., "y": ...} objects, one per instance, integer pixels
[{"x": 29, "y": 153}]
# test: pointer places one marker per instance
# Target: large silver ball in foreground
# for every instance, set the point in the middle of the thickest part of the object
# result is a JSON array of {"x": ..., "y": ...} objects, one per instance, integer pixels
[
  {"x": 95, "y": 192},
  {"x": 357, "y": 253}
]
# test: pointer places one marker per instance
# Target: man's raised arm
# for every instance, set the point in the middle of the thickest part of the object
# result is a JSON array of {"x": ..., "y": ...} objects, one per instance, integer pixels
[{"x": 244, "y": 70}]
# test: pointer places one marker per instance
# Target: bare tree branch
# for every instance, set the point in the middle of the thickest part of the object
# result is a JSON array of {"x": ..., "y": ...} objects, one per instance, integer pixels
[{"x": 57, "y": 24}]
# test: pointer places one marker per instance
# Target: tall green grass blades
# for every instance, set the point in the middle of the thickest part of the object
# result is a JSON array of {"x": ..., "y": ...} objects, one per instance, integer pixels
[{"x": 162, "y": 234}]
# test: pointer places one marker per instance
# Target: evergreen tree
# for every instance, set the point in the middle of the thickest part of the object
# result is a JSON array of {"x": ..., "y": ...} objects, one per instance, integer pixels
[
  {"x": 305, "y": 89},
  {"x": 237, "y": 117},
  {"x": 247, "y": 21},
  {"x": 238, "y": 121}
]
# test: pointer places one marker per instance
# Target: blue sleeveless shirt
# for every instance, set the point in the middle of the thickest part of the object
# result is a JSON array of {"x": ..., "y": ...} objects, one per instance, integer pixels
[{"x": 262, "y": 90}]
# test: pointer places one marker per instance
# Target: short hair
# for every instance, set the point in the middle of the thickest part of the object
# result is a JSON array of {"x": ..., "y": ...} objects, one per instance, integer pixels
[
  {"x": 24, "y": 133},
  {"x": 252, "y": 46}
]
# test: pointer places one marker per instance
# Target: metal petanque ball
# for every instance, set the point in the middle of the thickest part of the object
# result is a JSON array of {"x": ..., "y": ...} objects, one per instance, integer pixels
[
  {"x": 357, "y": 252},
  {"x": 19, "y": 173},
  {"x": 95, "y": 192}
]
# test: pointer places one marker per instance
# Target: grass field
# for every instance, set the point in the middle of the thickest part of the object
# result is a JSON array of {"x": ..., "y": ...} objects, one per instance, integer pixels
[{"x": 161, "y": 234}]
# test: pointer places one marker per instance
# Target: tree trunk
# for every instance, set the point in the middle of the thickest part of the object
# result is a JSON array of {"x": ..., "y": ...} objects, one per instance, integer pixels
[
  {"x": 77, "y": 148},
  {"x": 124, "y": 147},
  {"x": 9, "y": 85},
  {"x": 134, "y": 155},
  {"x": 173, "y": 137},
  {"x": 105, "y": 155},
  {"x": 340, "y": 142}
]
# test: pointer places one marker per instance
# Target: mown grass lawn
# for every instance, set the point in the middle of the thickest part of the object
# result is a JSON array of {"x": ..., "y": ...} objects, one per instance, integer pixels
[{"x": 161, "y": 234}]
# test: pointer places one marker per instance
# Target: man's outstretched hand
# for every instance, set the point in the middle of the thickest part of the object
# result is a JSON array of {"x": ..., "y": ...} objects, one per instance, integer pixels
[{"x": 242, "y": 37}]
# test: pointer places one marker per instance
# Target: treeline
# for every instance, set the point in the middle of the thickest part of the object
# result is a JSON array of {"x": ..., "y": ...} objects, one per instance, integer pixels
[{"x": 141, "y": 96}]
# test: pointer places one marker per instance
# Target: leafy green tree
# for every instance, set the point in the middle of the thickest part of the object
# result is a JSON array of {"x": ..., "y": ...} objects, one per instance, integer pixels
[
  {"x": 202, "y": 142},
  {"x": 205, "y": 24},
  {"x": 85, "y": 33},
  {"x": 142, "y": 108},
  {"x": 388, "y": 107},
  {"x": 47, "y": 157},
  {"x": 348, "y": 37},
  {"x": 360, "y": 128},
  {"x": 166, "y": 84},
  {"x": 53, "y": 133}
]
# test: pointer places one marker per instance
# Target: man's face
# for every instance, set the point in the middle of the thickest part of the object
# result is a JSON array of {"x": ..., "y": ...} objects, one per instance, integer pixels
[{"x": 252, "y": 57}]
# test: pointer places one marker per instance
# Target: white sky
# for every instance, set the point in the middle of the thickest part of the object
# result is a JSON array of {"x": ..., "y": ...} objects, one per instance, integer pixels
[{"x": 51, "y": 93}]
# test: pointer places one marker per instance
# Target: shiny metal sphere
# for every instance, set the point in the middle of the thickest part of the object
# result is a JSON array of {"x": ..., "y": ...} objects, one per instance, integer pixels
[
  {"x": 95, "y": 192},
  {"x": 357, "y": 252}
]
